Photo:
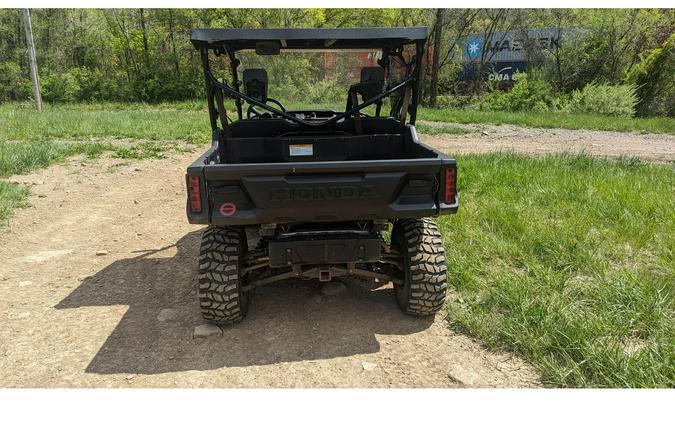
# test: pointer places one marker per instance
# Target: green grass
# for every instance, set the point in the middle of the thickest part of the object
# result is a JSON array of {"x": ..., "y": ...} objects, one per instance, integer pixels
[
  {"x": 106, "y": 121},
  {"x": 569, "y": 261},
  {"x": 550, "y": 120},
  {"x": 11, "y": 197},
  {"x": 23, "y": 157},
  {"x": 437, "y": 129}
]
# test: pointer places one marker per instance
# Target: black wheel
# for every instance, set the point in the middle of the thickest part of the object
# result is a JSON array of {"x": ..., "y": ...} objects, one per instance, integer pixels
[
  {"x": 425, "y": 278},
  {"x": 221, "y": 298}
]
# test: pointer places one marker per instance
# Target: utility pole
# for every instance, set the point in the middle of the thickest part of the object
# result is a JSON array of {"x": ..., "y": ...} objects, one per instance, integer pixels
[
  {"x": 435, "y": 65},
  {"x": 31, "y": 58}
]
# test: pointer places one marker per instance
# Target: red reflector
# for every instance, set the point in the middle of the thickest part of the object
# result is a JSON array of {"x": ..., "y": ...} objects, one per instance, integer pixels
[
  {"x": 450, "y": 185},
  {"x": 194, "y": 194}
]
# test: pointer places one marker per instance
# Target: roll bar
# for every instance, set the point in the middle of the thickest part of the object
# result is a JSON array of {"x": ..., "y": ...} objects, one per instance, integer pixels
[
  {"x": 215, "y": 84},
  {"x": 410, "y": 82}
]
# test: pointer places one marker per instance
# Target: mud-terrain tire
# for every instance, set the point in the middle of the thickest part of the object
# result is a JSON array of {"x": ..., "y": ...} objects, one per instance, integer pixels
[
  {"x": 425, "y": 280},
  {"x": 221, "y": 298}
]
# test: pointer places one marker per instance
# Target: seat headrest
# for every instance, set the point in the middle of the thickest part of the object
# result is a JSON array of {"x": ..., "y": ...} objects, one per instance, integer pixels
[
  {"x": 374, "y": 74},
  {"x": 371, "y": 84},
  {"x": 255, "y": 84}
]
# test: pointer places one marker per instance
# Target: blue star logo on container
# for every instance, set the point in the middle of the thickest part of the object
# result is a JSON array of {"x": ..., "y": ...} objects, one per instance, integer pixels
[{"x": 473, "y": 47}]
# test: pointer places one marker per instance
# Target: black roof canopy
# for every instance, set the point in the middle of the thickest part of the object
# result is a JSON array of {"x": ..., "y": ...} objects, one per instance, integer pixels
[{"x": 308, "y": 38}]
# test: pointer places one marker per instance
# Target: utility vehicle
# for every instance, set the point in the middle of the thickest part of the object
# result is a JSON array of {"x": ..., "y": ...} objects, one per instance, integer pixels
[{"x": 312, "y": 193}]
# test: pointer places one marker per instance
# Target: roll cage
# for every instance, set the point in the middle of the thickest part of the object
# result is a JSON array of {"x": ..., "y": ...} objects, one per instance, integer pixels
[{"x": 391, "y": 41}]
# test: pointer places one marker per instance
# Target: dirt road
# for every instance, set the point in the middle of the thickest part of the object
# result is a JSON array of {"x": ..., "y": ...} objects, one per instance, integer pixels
[
  {"x": 487, "y": 138},
  {"x": 70, "y": 317}
]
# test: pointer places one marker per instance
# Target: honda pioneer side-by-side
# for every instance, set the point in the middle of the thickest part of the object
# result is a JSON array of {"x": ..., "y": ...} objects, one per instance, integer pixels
[{"x": 314, "y": 193}]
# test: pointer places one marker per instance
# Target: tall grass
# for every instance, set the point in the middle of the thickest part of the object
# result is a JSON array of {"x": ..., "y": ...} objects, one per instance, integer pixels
[
  {"x": 87, "y": 122},
  {"x": 11, "y": 197},
  {"x": 23, "y": 157},
  {"x": 568, "y": 260}
]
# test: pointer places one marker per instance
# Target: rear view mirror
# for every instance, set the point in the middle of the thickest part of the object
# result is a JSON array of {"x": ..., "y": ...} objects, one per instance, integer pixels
[{"x": 267, "y": 48}]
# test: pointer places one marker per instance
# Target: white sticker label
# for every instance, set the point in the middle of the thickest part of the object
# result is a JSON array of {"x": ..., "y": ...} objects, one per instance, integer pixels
[{"x": 301, "y": 149}]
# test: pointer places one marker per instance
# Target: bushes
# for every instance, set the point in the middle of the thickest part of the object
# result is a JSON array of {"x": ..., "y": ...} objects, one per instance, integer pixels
[
  {"x": 166, "y": 86},
  {"x": 610, "y": 100},
  {"x": 453, "y": 101},
  {"x": 325, "y": 91},
  {"x": 532, "y": 93},
  {"x": 59, "y": 87},
  {"x": 14, "y": 85},
  {"x": 655, "y": 81},
  {"x": 83, "y": 84},
  {"x": 92, "y": 85},
  {"x": 77, "y": 84}
]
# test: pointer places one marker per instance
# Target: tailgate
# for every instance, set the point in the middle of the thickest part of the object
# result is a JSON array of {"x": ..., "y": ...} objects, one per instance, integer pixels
[{"x": 240, "y": 194}]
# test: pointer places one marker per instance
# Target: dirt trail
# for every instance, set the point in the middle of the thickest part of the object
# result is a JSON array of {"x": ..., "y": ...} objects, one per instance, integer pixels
[
  {"x": 72, "y": 318},
  {"x": 488, "y": 138}
]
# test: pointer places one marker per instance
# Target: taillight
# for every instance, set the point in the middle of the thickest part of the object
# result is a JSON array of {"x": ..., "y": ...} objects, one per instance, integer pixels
[
  {"x": 194, "y": 194},
  {"x": 450, "y": 185}
]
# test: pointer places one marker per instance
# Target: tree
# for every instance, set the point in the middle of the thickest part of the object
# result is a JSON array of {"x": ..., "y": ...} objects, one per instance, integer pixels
[
  {"x": 133, "y": 54},
  {"x": 435, "y": 61},
  {"x": 655, "y": 81}
]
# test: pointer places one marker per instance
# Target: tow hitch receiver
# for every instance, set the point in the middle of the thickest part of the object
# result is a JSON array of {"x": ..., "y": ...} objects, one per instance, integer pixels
[
  {"x": 324, "y": 274},
  {"x": 324, "y": 250}
]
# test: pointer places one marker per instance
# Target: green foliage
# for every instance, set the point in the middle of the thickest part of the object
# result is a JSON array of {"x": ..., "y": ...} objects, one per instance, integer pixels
[
  {"x": 325, "y": 90},
  {"x": 79, "y": 84},
  {"x": 608, "y": 45},
  {"x": 609, "y": 100},
  {"x": 166, "y": 86},
  {"x": 305, "y": 77},
  {"x": 14, "y": 85},
  {"x": 560, "y": 260},
  {"x": 133, "y": 55},
  {"x": 599, "y": 46},
  {"x": 530, "y": 93},
  {"x": 11, "y": 197},
  {"x": 92, "y": 85},
  {"x": 146, "y": 54},
  {"x": 60, "y": 87},
  {"x": 449, "y": 74},
  {"x": 453, "y": 101},
  {"x": 655, "y": 81},
  {"x": 82, "y": 84}
]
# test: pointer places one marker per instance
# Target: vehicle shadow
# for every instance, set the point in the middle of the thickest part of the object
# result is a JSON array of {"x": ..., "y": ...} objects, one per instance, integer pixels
[{"x": 287, "y": 322}]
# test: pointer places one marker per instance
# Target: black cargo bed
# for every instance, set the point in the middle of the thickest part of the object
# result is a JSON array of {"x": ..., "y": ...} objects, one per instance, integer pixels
[
  {"x": 366, "y": 177},
  {"x": 322, "y": 148}
]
